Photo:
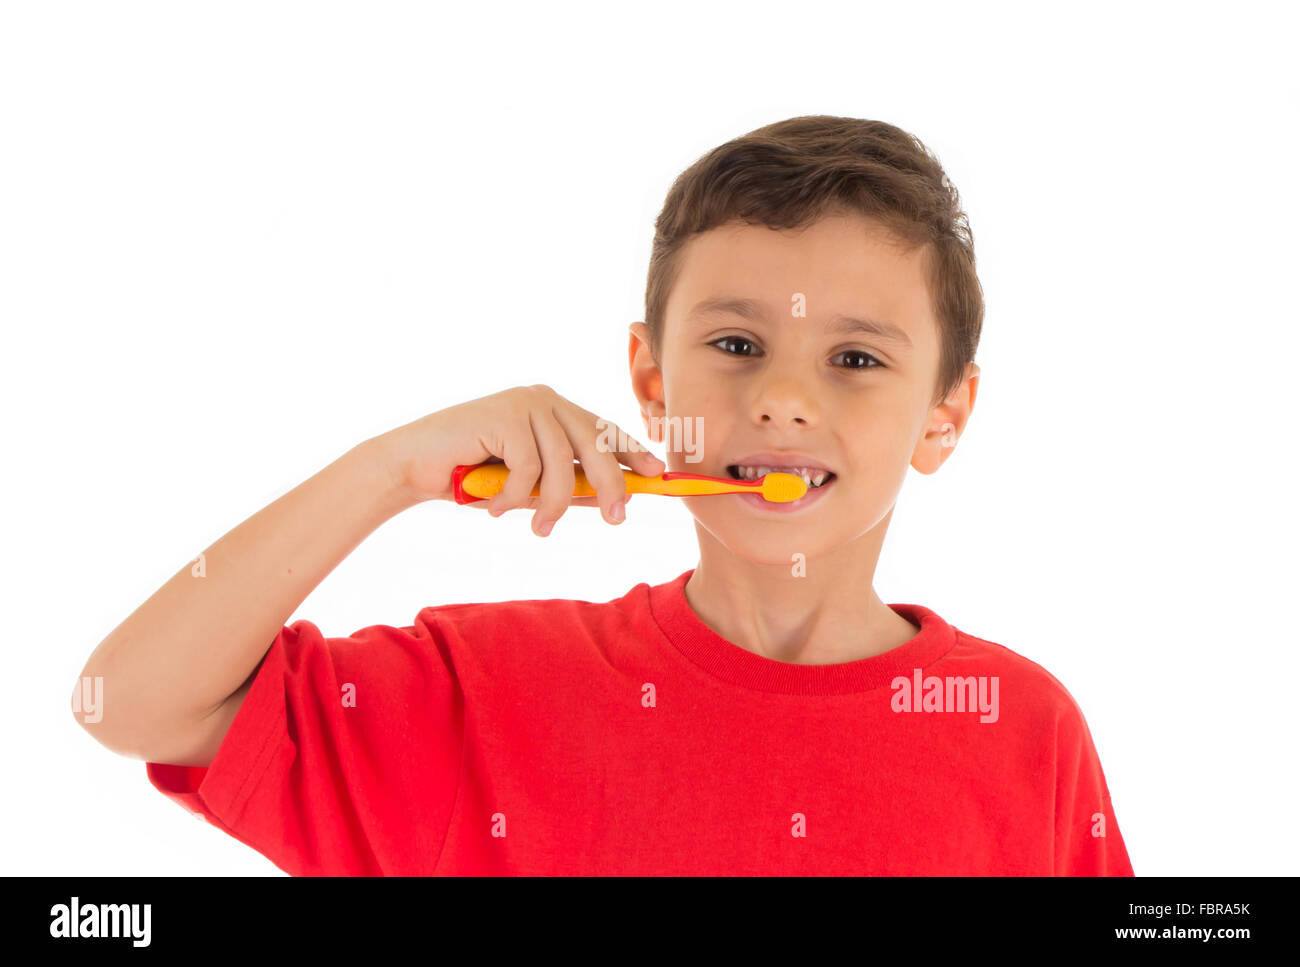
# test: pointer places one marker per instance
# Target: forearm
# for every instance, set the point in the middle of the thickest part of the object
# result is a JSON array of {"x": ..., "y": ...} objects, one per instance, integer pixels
[{"x": 199, "y": 637}]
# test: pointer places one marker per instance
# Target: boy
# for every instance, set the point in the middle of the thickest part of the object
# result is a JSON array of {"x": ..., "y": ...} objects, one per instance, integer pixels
[{"x": 812, "y": 303}]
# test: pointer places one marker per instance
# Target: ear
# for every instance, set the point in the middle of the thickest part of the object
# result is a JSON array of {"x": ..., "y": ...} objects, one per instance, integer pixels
[
  {"x": 647, "y": 379},
  {"x": 945, "y": 423}
]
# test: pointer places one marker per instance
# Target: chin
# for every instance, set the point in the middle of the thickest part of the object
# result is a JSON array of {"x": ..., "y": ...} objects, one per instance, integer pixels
[{"x": 772, "y": 546}]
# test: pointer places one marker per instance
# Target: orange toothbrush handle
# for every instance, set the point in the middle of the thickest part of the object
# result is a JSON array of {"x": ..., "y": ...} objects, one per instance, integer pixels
[{"x": 483, "y": 481}]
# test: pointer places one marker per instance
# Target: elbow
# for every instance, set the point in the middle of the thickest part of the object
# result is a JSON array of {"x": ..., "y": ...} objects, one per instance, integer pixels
[
  {"x": 87, "y": 706},
  {"x": 88, "y": 699},
  {"x": 88, "y": 711}
]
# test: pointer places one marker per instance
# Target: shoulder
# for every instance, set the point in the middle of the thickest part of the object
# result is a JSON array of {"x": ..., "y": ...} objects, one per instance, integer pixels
[
  {"x": 529, "y": 610},
  {"x": 1025, "y": 685},
  {"x": 536, "y": 620}
]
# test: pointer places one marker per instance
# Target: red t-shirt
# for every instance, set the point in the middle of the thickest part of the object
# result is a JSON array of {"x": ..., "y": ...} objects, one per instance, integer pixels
[{"x": 571, "y": 737}]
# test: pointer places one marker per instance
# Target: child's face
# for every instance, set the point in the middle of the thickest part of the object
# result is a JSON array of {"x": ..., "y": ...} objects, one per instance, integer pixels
[{"x": 779, "y": 381}]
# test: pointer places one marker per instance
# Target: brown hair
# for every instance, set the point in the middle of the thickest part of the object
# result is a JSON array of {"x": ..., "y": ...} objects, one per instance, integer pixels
[{"x": 791, "y": 173}]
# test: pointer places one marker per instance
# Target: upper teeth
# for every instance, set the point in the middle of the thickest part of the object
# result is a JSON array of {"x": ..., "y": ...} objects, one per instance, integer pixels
[{"x": 813, "y": 478}]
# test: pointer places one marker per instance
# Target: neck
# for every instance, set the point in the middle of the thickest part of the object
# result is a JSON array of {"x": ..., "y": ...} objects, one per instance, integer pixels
[{"x": 829, "y": 615}]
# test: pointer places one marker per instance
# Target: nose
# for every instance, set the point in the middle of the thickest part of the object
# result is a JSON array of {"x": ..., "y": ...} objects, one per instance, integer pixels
[{"x": 784, "y": 400}]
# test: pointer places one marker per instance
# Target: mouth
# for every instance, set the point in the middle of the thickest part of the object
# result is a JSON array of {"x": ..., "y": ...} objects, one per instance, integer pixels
[{"x": 814, "y": 477}]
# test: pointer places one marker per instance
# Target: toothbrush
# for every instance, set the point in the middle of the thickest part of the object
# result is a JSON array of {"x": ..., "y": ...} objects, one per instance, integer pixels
[{"x": 482, "y": 481}]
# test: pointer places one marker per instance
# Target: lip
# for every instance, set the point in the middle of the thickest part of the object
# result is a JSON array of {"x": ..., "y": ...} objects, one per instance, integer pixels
[
  {"x": 760, "y": 505},
  {"x": 770, "y": 458}
]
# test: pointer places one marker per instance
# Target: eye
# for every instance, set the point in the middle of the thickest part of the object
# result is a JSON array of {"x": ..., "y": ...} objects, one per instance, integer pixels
[
  {"x": 874, "y": 362},
  {"x": 726, "y": 339},
  {"x": 868, "y": 361}
]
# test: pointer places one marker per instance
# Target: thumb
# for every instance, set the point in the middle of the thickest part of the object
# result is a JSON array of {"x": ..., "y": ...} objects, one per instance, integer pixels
[{"x": 647, "y": 464}]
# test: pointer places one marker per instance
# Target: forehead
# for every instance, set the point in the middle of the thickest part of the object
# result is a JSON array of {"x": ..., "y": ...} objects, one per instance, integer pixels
[{"x": 842, "y": 264}]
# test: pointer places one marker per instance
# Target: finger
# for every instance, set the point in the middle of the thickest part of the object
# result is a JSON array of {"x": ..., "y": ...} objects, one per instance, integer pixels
[
  {"x": 641, "y": 460},
  {"x": 634, "y": 455},
  {"x": 601, "y": 468},
  {"x": 557, "y": 470},
  {"x": 519, "y": 453}
]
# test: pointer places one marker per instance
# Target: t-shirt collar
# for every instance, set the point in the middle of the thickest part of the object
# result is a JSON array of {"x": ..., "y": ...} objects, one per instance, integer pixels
[{"x": 740, "y": 666}]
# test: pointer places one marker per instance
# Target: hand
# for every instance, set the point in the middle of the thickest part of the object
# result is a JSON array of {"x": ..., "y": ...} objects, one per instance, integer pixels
[{"x": 536, "y": 433}]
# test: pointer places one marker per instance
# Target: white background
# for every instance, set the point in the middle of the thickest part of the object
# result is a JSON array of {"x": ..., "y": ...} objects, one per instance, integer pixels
[{"x": 236, "y": 239}]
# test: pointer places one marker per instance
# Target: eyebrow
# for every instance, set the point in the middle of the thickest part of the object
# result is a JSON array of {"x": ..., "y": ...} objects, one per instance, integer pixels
[{"x": 752, "y": 310}]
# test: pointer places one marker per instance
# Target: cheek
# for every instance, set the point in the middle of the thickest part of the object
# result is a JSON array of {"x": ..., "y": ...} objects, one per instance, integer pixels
[{"x": 882, "y": 427}]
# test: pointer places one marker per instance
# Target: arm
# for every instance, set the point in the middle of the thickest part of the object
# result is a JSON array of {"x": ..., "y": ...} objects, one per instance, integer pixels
[{"x": 176, "y": 670}]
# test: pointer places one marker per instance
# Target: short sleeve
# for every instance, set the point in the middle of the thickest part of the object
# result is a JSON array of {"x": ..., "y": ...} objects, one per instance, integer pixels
[
  {"x": 1088, "y": 840},
  {"x": 344, "y": 757}
]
